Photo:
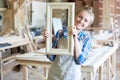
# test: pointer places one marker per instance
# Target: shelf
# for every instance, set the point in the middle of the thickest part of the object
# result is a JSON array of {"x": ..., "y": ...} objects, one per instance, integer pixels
[{"x": 2, "y": 9}]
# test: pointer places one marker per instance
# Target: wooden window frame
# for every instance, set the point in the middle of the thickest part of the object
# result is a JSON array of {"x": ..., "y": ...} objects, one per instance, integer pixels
[{"x": 71, "y": 11}]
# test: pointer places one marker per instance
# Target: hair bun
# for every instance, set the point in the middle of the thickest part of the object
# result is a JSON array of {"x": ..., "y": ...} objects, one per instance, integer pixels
[{"x": 89, "y": 8}]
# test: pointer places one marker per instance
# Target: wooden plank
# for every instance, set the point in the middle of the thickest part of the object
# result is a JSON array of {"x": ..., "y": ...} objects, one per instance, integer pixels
[
  {"x": 33, "y": 57},
  {"x": 7, "y": 66},
  {"x": 10, "y": 57},
  {"x": 106, "y": 13},
  {"x": 101, "y": 72},
  {"x": 25, "y": 72},
  {"x": 13, "y": 38},
  {"x": 1, "y": 73},
  {"x": 3, "y": 9},
  {"x": 21, "y": 42}
]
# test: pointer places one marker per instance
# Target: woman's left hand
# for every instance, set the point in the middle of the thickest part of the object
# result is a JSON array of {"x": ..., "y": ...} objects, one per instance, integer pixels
[{"x": 73, "y": 31}]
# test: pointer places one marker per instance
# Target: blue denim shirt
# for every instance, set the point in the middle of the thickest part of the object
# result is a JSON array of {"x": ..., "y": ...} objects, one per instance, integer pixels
[{"x": 85, "y": 37}]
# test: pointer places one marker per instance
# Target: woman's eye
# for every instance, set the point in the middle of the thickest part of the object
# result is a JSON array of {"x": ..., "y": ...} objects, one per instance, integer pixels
[
  {"x": 86, "y": 20},
  {"x": 80, "y": 17}
]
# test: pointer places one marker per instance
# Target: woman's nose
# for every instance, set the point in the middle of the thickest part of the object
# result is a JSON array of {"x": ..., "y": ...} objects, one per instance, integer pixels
[{"x": 82, "y": 20}]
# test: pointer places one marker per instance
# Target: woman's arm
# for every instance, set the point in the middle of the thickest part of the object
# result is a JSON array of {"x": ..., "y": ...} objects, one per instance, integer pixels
[
  {"x": 77, "y": 47},
  {"x": 81, "y": 53}
]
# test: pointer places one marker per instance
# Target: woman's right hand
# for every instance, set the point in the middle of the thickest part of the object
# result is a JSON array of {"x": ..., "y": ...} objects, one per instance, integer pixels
[{"x": 45, "y": 33}]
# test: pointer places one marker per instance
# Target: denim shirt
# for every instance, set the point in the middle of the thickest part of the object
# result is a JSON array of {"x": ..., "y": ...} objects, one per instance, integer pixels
[{"x": 84, "y": 36}]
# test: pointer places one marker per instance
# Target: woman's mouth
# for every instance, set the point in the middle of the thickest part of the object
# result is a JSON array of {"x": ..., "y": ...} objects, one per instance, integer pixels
[{"x": 79, "y": 26}]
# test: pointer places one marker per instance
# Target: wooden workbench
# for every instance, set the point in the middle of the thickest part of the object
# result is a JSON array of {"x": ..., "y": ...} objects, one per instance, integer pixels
[
  {"x": 34, "y": 59},
  {"x": 95, "y": 62},
  {"x": 13, "y": 41}
]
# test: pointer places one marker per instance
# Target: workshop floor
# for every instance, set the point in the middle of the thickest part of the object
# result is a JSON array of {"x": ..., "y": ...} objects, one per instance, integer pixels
[{"x": 17, "y": 75}]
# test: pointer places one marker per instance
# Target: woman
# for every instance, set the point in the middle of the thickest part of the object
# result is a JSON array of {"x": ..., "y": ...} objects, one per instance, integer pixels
[{"x": 66, "y": 67}]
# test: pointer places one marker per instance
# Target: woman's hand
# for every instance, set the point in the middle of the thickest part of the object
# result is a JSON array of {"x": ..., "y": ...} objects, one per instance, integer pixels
[
  {"x": 73, "y": 31},
  {"x": 45, "y": 33}
]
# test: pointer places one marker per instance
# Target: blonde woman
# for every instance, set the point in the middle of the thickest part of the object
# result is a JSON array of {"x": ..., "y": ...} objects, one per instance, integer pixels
[{"x": 66, "y": 67}]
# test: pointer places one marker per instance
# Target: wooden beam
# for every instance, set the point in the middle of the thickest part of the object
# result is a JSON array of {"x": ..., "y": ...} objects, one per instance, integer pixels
[{"x": 106, "y": 13}]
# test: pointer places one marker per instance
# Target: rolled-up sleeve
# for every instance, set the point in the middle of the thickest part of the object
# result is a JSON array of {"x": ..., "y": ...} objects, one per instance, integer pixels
[{"x": 85, "y": 50}]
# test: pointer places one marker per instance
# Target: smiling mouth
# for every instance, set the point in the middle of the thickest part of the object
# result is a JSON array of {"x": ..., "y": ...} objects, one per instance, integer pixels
[{"x": 79, "y": 26}]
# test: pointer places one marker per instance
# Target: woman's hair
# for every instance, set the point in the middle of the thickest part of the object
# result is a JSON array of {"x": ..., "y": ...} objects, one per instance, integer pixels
[{"x": 89, "y": 10}]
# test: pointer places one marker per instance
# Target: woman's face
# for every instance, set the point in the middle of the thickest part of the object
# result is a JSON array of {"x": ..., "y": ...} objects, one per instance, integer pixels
[{"x": 82, "y": 20}]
